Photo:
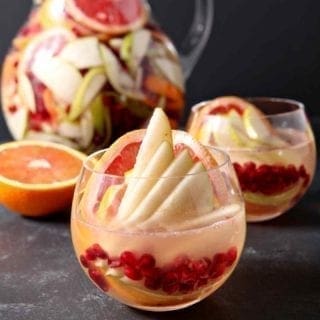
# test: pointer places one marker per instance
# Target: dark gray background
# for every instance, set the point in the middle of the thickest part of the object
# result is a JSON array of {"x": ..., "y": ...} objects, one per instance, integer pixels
[
  {"x": 269, "y": 47},
  {"x": 258, "y": 47}
]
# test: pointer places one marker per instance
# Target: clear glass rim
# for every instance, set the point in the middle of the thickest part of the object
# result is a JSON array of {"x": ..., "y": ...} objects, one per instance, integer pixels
[
  {"x": 299, "y": 106},
  {"x": 220, "y": 164}
]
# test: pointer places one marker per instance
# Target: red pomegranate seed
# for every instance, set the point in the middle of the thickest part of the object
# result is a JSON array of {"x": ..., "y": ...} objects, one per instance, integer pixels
[
  {"x": 170, "y": 282},
  {"x": 146, "y": 261},
  {"x": 98, "y": 278},
  {"x": 231, "y": 256},
  {"x": 218, "y": 270},
  {"x": 219, "y": 258},
  {"x": 153, "y": 279},
  {"x": 84, "y": 261},
  {"x": 202, "y": 267},
  {"x": 127, "y": 258},
  {"x": 99, "y": 252},
  {"x": 132, "y": 273}
]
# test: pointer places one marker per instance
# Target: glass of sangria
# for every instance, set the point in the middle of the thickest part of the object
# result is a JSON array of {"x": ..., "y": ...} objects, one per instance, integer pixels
[
  {"x": 271, "y": 144},
  {"x": 158, "y": 243}
]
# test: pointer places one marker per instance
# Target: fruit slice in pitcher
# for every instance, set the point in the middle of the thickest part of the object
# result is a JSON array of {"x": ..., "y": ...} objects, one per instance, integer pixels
[{"x": 110, "y": 16}]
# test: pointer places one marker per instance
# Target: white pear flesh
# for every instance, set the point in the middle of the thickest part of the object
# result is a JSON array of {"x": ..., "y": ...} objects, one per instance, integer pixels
[
  {"x": 89, "y": 88},
  {"x": 83, "y": 53},
  {"x": 142, "y": 185},
  {"x": 118, "y": 77},
  {"x": 191, "y": 198},
  {"x": 158, "y": 130},
  {"x": 161, "y": 190},
  {"x": 59, "y": 76},
  {"x": 17, "y": 122},
  {"x": 26, "y": 92}
]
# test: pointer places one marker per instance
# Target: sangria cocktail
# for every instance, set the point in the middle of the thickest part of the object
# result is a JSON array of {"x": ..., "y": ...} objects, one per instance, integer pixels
[
  {"x": 158, "y": 220},
  {"x": 270, "y": 143}
]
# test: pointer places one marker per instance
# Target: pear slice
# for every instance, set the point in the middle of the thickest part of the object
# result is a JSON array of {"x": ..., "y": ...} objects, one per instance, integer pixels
[
  {"x": 69, "y": 129},
  {"x": 87, "y": 129},
  {"x": 153, "y": 170},
  {"x": 161, "y": 190},
  {"x": 59, "y": 76},
  {"x": 210, "y": 218},
  {"x": 170, "y": 70},
  {"x": 90, "y": 86},
  {"x": 259, "y": 128},
  {"x": 273, "y": 200},
  {"x": 158, "y": 130},
  {"x": 17, "y": 122},
  {"x": 118, "y": 77},
  {"x": 191, "y": 198},
  {"x": 141, "y": 40},
  {"x": 83, "y": 53},
  {"x": 26, "y": 92}
]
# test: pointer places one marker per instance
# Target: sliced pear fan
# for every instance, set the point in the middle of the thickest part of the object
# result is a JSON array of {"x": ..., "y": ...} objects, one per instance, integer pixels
[
  {"x": 161, "y": 190},
  {"x": 17, "y": 122},
  {"x": 157, "y": 165},
  {"x": 26, "y": 92},
  {"x": 191, "y": 198}
]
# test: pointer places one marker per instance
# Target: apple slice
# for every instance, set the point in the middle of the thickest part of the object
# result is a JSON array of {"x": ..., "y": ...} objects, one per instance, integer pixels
[
  {"x": 161, "y": 190},
  {"x": 83, "y": 53},
  {"x": 59, "y": 76},
  {"x": 154, "y": 169},
  {"x": 190, "y": 199},
  {"x": 26, "y": 92},
  {"x": 90, "y": 86}
]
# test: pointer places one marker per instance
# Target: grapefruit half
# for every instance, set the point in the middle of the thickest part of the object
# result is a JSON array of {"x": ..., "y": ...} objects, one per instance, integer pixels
[{"x": 38, "y": 178}]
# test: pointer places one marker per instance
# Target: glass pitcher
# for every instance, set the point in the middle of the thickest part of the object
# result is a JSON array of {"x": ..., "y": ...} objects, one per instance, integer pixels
[{"x": 82, "y": 72}]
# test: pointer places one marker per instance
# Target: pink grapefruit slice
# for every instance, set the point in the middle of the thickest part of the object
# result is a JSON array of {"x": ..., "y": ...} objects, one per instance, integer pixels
[{"x": 109, "y": 16}]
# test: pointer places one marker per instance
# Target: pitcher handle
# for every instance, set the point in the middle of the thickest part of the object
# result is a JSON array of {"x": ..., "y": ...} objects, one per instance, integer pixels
[{"x": 197, "y": 37}]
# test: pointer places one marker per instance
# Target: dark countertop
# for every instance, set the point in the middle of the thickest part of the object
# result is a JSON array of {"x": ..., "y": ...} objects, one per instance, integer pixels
[{"x": 278, "y": 276}]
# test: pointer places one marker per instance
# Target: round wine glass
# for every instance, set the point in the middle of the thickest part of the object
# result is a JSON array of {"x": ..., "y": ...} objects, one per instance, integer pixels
[
  {"x": 272, "y": 149},
  {"x": 157, "y": 263}
]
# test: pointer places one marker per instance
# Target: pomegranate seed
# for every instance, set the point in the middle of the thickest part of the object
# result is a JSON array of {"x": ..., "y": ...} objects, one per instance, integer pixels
[
  {"x": 127, "y": 258},
  {"x": 153, "y": 280},
  {"x": 99, "y": 252},
  {"x": 98, "y": 278},
  {"x": 84, "y": 261},
  {"x": 170, "y": 282},
  {"x": 202, "y": 267},
  {"x": 231, "y": 256},
  {"x": 218, "y": 270},
  {"x": 219, "y": 258},
  {"x": 132, "y": 273},
  {"x": 146, "y": 261}
]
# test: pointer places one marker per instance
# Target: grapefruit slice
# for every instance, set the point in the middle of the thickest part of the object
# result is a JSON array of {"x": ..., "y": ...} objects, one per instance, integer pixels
[
  {"x": 38, "y": 178},
  {"x": 109, "y": 16}
]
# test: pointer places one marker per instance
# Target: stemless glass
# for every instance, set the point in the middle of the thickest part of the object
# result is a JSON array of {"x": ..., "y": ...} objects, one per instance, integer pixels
[
  {"x": 274, "y": 172},
  {"x": 151, "y": 267}
]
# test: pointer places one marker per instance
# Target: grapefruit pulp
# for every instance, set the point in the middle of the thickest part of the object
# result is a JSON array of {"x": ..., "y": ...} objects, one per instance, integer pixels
[
  {"x": 38, "y": 178},
  {"x": 110, "y": 16}
]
